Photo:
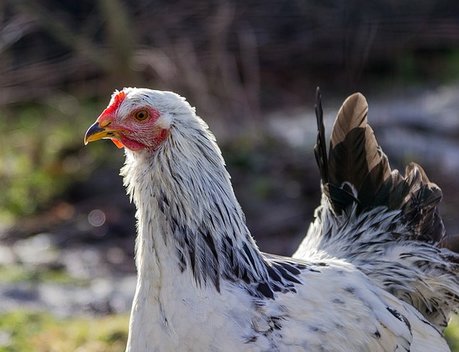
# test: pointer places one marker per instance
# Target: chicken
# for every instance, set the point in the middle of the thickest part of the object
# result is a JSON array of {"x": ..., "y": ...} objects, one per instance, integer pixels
[{"x": 369, "y": 275}]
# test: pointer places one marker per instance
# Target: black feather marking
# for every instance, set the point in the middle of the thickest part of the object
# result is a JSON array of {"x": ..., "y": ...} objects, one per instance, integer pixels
[
  {"x": 265, "y": 290},
  {"x": 251, "y": 339},
  {"x": 244, "y": 275},
  {"x": 273, "y": 274},
  {"x": 248, "y": 254},
  {"x": 276, "y": 322},
  {"x": 320, "y": 149},
  {"x": 350, "y": 290},
  {"x": 176, "y": 177},
  {"x": 301, "y": 266},
  {"x": 217, "y": 206},
  {"x": 285, "y": 274},
  {"x": 210, "y": 243},
  {"x": 338, "y": 301},
  {"x": 400, "y": 317},
  {"x": 290, "y": 268},
  {"x": 213, "y": 264},
  {"x": 395, "y": 313},
  {"x": 182, "y": 261}
]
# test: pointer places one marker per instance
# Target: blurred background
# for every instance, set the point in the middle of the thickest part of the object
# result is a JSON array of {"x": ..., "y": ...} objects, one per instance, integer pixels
[{"x": 67, "y": 230}]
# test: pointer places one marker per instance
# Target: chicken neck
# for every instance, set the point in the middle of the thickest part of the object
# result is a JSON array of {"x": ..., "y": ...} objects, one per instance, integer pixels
[{"x": 189, "y": 220}]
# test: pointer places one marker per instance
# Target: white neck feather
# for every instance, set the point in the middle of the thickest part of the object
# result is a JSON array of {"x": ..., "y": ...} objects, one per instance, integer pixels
[{"x": 187, "y": 213}]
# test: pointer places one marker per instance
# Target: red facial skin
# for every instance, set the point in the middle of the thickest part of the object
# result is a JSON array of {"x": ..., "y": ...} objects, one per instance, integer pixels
[{"x": 131, "y": 132}]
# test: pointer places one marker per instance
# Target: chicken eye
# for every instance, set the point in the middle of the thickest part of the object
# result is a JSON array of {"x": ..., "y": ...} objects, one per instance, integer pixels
[{"x": 141, "y": 115}]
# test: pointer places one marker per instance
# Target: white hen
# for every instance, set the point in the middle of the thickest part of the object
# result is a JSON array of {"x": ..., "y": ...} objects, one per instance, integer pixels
[{"x": 369, "y": 275}]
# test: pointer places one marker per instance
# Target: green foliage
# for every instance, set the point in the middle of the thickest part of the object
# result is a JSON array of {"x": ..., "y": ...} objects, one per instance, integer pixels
[
  {"x": 41, "y": 152},
  {"x": 452, "y": 334},
  {"x": 433, "y": 66},
  {"x": 20, "y": 273},
  {"x": 23, "y": 331}
]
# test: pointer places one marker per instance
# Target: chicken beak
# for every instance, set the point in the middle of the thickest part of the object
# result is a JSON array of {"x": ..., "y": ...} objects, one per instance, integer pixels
[{"x": 96, "y": 132}]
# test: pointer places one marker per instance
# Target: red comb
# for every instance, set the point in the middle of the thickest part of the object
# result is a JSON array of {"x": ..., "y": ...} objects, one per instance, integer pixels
[{"x": 117, "y": 100}]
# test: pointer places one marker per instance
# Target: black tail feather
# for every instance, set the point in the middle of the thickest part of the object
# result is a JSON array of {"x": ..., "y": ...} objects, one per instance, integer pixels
[
  {"x": 342, "y": 196},
  {"x": 320, "y": 149},
  {"x": 358, "y": 172}
]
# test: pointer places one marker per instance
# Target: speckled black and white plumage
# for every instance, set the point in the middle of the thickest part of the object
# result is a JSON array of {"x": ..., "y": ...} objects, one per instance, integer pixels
[
  {"x": 363, "y": 280},
  {"x": 385, "y": 224}
]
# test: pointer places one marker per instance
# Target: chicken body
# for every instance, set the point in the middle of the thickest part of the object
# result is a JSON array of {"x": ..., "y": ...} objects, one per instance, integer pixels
[{"x": 203, "y": 285}]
